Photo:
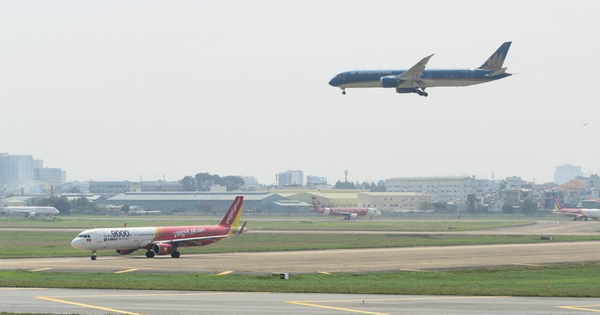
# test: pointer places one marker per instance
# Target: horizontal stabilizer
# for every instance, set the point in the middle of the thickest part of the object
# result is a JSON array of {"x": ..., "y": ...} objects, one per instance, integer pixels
[{"x": 498, "y": 72}]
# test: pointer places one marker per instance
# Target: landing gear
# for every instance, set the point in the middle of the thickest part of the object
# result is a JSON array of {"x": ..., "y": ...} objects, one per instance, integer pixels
[
  {"x": 149, "y": 254},
  {"x": 175, "y": 254},
  {"x": 93, "y": 255},
  {"x": 343, "y": 91},
  {"x": 421, "y": 92}
]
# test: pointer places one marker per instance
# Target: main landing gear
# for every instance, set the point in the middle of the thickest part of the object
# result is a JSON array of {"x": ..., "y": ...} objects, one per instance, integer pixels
[
  {"x": 175, "y": 254},
  {"x": 421, "y": 92},
  {"x": 93, "y": 255},
  {"x": 149, "y": 254}
]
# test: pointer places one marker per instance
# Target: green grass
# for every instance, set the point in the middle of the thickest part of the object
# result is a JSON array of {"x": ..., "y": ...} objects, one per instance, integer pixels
[
  {"x": 39, "y": 244},
  {"x": 304, "y": 224},
  {"x": 572, "y": 280}
]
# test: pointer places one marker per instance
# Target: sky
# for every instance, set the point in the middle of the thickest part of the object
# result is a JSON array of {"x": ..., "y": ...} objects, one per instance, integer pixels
[{"x": 123, "y": 90}]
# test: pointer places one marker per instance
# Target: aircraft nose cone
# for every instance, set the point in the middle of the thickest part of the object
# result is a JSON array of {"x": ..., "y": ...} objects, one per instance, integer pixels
[
  {"x": 75, "y": 243},
  {"x": 333, "y": 82}
]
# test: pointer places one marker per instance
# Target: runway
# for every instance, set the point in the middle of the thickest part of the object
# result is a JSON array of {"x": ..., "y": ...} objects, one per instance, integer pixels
[
  {"x": 87, "y": 301},
  {"x": 346, "y": 260}
]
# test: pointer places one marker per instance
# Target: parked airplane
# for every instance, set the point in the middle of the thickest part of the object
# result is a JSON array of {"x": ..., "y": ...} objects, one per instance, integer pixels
[
  {"x": 577, "y": 214},
  {"x": 348, "y": 213},
  {"x": 417, "y": 79},
  {"x": 30, "y": 211},
  {"x": 161, "y": 240}
]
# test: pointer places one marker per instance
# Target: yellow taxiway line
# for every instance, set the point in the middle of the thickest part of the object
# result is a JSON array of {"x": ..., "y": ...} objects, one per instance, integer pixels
[{"x": 112, "y": 310}]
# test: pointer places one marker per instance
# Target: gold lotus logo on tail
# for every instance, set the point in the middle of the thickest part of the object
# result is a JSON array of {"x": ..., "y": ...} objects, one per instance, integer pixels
[{"x": 495, "y": 62}]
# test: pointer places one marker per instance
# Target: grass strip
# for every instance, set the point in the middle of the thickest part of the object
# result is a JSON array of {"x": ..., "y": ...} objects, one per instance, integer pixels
[
  {"x": 44, "y": 244},
  {"x": 570, "y": 280}
]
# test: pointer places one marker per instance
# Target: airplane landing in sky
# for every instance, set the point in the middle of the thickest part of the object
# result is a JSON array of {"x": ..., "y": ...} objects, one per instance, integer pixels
[
  {"x": 161, "y": 240},
  {"x": 348, "y": 213},
  {"x": 417, "y": 79},
  {"x": 577, "y": 213}
]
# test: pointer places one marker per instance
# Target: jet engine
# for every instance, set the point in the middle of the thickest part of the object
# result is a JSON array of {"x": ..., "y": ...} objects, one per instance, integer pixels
[
  {"x": 162, "y": 248},
  {"x": 31, "y": 214},
  {"x": 390, "y": 81},
  {"x": 125, "y": 251},
  {"x": 354, "y": 216}
]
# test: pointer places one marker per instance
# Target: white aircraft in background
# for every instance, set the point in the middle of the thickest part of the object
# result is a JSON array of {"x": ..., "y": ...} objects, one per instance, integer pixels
[
  {"x": 30, "y": 211},
  {"x": 348, "y": 213}
]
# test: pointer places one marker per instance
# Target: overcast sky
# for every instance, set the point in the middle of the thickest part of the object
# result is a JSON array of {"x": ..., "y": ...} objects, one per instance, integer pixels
[{"x": 115, "y": 90}]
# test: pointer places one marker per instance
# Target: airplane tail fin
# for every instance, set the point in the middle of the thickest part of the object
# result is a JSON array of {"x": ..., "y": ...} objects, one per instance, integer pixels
[
  {"x": 557, "y": 205},
  {"x": 496, "y": 60},
  {"x": 232, "y": 217},
  {"x": 317, "y": 206}
]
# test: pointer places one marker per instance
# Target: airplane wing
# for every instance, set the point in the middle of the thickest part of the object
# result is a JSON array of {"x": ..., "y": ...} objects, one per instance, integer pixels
[
  {"x": 415, "y": 72},
  {"x": 184, "y": 241}
]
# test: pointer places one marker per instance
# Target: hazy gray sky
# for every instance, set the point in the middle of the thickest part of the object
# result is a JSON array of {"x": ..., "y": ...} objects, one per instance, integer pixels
[{"x": 115, "y": 90}]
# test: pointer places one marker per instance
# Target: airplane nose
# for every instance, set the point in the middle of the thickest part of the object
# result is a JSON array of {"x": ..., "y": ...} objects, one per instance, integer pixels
[
  {"x": 75, "y": 243},
  {"x": 333, "y": 82}
]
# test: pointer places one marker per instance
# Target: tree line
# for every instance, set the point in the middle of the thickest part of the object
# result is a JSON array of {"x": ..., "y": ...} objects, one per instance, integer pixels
[{"x": 203, "y": 182}]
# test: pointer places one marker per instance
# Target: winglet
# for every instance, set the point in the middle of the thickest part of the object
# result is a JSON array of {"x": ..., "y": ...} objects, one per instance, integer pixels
[
  {"x": 494, "y": 63},
  {"x": 232, "y": 217},
  {"x": 242, "y": 229}
]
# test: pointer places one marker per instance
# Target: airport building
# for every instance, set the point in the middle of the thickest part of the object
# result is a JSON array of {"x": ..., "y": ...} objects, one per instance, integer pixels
[
  {"x": 114, "y": 187},
  {"x": 389, "y": 201},
  {"x": 442, "y": 189},
  {"x": 202, "y": 200},
  {"x": 290, "y": 178}
]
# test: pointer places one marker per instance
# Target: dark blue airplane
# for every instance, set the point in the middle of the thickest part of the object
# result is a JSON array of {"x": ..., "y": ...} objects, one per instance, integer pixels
[{"x": 417, "y": 79}]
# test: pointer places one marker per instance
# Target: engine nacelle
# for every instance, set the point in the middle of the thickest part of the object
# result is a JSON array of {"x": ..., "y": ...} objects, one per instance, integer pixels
[
  {"x": 353, "y": 216},
  {"x": 31, "y": 214},
  {"x": 162, "y": 249},
  {"x": 389, "y": 81},
  {"x": 125, "y": 251},
  {"x": 406, "y": 90}
]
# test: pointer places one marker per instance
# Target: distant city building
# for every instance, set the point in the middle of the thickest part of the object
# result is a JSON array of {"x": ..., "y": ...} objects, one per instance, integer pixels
[
  {"x": 565, "y": 173},
  {"x": 316, "y": 180},
  {"x": 15, "y": 169},
  {"x": 52, "y": 176},
  {"x": 38, "y": 164},
  {"x": 250, "y": 181},
  {"x": 291, "y": 178},
  {"x": 114, "y": 187}
]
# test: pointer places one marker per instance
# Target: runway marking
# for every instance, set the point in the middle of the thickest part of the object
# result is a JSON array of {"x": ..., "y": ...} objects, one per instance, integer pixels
[
  {"x": 311, "y": 303},
  {"x": 581, "y": 308},
  {"x": 86, "y": 305},
  {"x": 154, "y": 294},
  {"x": 337, "y": 308},
  {"x": 416, "y": 270},
  {"x": 324, "y": 272},
  {"x": 224, "y": 273},
  {"x": 124, "y": 271},
  {"x": 41, "y": 269}
]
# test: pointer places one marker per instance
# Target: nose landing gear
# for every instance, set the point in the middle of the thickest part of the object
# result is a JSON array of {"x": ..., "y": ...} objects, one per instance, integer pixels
[
  {"x": 93, "y": 255},
  {"x": 343, "y": 91}
]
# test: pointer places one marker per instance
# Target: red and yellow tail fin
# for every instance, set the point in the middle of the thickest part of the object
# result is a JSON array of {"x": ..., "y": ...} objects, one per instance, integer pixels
[
  {"x": 557, "y": 204},
  {"x": 232, "y": 217}
]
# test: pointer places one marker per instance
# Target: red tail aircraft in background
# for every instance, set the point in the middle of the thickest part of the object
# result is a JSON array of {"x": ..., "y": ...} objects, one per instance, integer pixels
[
  {"x": 577, "y": 213},
  {"x": 161, "y": 240},
  {"x": 348, "y": 213}
]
